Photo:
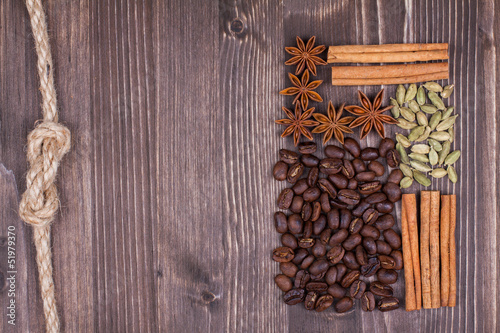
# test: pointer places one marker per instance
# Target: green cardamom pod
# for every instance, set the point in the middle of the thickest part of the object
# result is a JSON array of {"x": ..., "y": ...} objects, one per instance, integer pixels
[
  {"x": 433, "y": 157},
  {"x": 452, "y": 157},
  {"x": 400, "y": 94},
  {"x": 407, "y": 113},
  {"x": 425, "y": 135},
  {"x": 421, "y": 178},
  {"x": 419, "y": 157},
  {"x": 452, "y": 174},
  {"x": 452, "y": 133},
  {"x": 402, "y": 153},
  {"x": 447, "y": 123},
  {"x": 448, "y": 112},
  {"x": 421, "y": 149},
  {"x": 447, "y": 91},
  {"x": 411, "y": 92},
  {"x": 440, "y": 136},
  {"x": 438, "y": 173},
  {"x": 444, "y": 152},
  {"x": 435, "y": 145},
  {"x": 406, "y": 182},
  {"x": 413, "y": 105},
  {"x": 421, "y": 96},
  {"x": 435, "y": 119},
  {"x": 406, "y": 170},
  {"x": 421, "y": 118},
  {"x": 433, "y": 86},
  {"x": 428, "y": 108},
  {"x": 403, "y": 140},
  {"x": 395, "y": 110},
  {"x": 416, "y": 132},
  {"x": 438, "y": 102},
  {"x": 420, "y": 166},
  {"x": 405, "y": 124}
]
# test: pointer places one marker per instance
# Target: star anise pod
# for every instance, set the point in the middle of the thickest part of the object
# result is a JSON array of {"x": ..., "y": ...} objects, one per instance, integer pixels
[
  {"x": 370, "y": 114},
  {"x": 305, "y": 55},
  {"x": 297, "y": 123},
  {"x": 333, "y": 124},
  {"x": 303, "y": 89}
]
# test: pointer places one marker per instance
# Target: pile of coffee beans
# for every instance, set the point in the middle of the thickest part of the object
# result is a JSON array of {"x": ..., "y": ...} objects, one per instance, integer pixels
[{"x": 339, "y": 231}]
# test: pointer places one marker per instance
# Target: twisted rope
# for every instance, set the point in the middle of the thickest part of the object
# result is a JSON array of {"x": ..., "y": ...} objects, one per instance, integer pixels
[{"x": 47, "y": 144}]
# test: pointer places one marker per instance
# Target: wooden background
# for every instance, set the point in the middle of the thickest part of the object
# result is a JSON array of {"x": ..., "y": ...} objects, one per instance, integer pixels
[{"x": 167, "y": 196}]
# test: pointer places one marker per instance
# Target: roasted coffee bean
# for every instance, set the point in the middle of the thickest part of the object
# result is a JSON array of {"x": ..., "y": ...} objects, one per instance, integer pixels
[
  {"x": 310, "y": 300},
  {"x": 324, "y": 302},
  {"x": 289, "y": 240},
  {"x": 352, "y": 241},
  {"x": 361, "y": 256},
  {"x": 294, "y": 296},
  {"x": 300, "y": 254},
  {"x": 385, "y": 145},
  {"x": 398, "y": 259},
  {"x": 318, "y": 249},
  {"x": 285, "y": 198},
  {"x": 393, "y": 158},
  {"x": 387, "y": 262},
  {"x": 370, "y": 231},
  {"x": 338, "y": 237},
  {"x": 306, "y": 212},
  {"x": 318, "y": 267},
  {"x": 375, "y": 198},
  {"x": 395, "y": 176},
  {"x": 359, "y": 165},
  {"x": 306, "y": 243},
  {"x": 335, "y": 254},
  {"x": 387, "y": 276},
  {"x": 392, "y": 238},
  {"x": 352, "y": 146},
  {"x": 356, "y": 225},
  {"x": 353, "y": 184},
  {"x": 334, "y": 152},
  {"x": 297, "y": 203},
  {"x": 338, "y": 204},
  {"x": 341, "y": 271},
  {"x": 312, "y": 194},
  {"x": 349, "y": 278},
  {"x": 344, "y": 304},
  {"x": 300, "y": 186},
  {"x": 280, "y": 171},
  {"x": 308, "y": 230},
  {"x": 360, "y": 208},
  {"x": 370, "y": 216},
  {"x": 325, "y": 236},
  {"x": 376, "y": 167},
  {"x": 307, "y": 261},
  {"x": 370, "y": 245},
  {"x": 312, "y": 177},
  {"x": 348, "y": 169},
  {"x": 388, "y": 304},
  {"x": 280, "y": 222},
  {"x": 380, "y": 289},
  {"x": 349, "y": 197},
  {"x": 357, "y": 289},
  {"x": 365, "y": 176},
  {"x": 333, "y": 219},
  {"x": 295, "y": 224},
  {"x": 318, "y": 277},
  {"x": 325, "y": 202},
  {"x": 383, "y": 247},
  {"x": 309, "y": 160},
  {"x": 319, "y": 225},
  {"x": 368, "y": 302},
  {"x": 316, "y": 213},
  {"x": 330, "y": 166},
  {"x": 371, "y": 267},
  {"x": 336, "y": 290},
  {"x": 307, "y": 147},
  {"x": 288, "y": 268},
  {"x": 283, "y": 254},
  {"x": 350, "y": 260},
  {"x": 326, "y": 186},
  {"x": 384, "y": 207},
  {"x": 345, "y": 218},
  {"x": 302, "y": 278},
  {"x": 369, "y": 154},
  {"x": 393, "y": 192},
  {"x": 283, "y": 282},
  {"x": 289, "y": 157},
  {"x": 370, "y": 187},
  {"x": 385, "y": 222},
  {"x": 331, "y": 275},
  {"x": 317, "y": 286},
  {"x": 294, "y": 173},
  {"x": 339, "y": 180}
]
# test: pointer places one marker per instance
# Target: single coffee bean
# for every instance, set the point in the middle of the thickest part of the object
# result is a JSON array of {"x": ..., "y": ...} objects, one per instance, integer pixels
[
  {"x": 289, "y": 157},
  {"x": 312, "y": 177},
  {"x": 387, "y": 262},
  {"x": 307, "y": 261},
  {"x": 371, "y": 267},
  {"x": 300, "y": 254},
  {"x": 376, "y": 167},
  {"x": 296, "y": 205},
  {"x": 388, "y": 304},
  {"x": 365, "y": 176},
  {"x": 295, "y": 172},
  {"x": 352, "y": 241},
  {"x": 289, "y": 240},
  {"x": 319, "y": 225},
  {"x": 368, "y": 302},
  {"x": 336, "y": 290},
  {"x": 393, "y": 192},
  {"x": 294, "y": 296},
  {"x": 348, "y": 169},
  {"x": 326, "y": 186},
  {"x": 283, "y": 254},
  {"x": 341, "y": 271},
  {"x": 353, "y": 184},
  {"x": 385, "y": 145},
  {"x": 370, "y": 216},
  {"x": 280, "y": 171},
  {"x": 360, "y": 208},
  {"x": 356, "y": 225},
  {"x": 306, "y": 212},
  {"x": 285, "y": 198},
  {"x": 385, "y": 207},
  {"x": 338, "y": 237},
  {"x": 357, "y": 289},
  {"x": 280, "y": 222},
  {"x": 398, "y": 259},
  {"x": 370, "y": 231},
  {"x": 350, "y": 260},
  {"x": 349, "y": 278},
  {"x": 295, "y": 224},
  {"x": 359, "y": 165},
  {"x": 308, "y": 230},
  {"x": 324, "y": 302},
  {"x": 318, "y": 249},
  {"x": 331, "y": 275},
  {"x": 338, "y": 204},
  {"x": 370, "y": 245},
  {"x": 375, "y": 198},
  {"x": 385, "y": 222},
  {"x": 316, "y": 211},
  {"x": 334, "y": 152},
  {"x": 335, "y": 254},
  {"x": 312, "y": 194},
  {"x": 349, "y": 197},
  {"x": 325, "y": 202},
  {"x": 318, "y": 277},
  {"x": 333, "y": 219},
  {"x": 361, "y": 256},
  {"x": 344, "y": 304},
  {"x": 393, "y": 158},
  {"x": 310, "y": 300},
  {"x": 307, "y": 147},
  {"x": 369, "y": 154},
  {"x": 318, "y": 267},
  {"x": 309, "y": 160},
  {"x": 370, "y": 187},
  {"x": 395, "y": 176},
  {"x": 302, "y": 278},
  {"x": 306, "y": 243},
  {"x": 339, "y": 180},
  {"x": 387, "y": 276},
  {"x": 325, "y": 236},
  {"x": 330, "y": 166},
  {"x": 352, "y": 146},
  {"x": 317, "y": 286},
  {"x": 283, "y": 282},
  {"x": 392, "y": 238},
  {"x": 380, "y": 289},
  {"x": 300, "y": 186},
  {"x": 289, "y": 269},
  {"x": 383, "y": 247},
  {"x": 345, "y": 218}
]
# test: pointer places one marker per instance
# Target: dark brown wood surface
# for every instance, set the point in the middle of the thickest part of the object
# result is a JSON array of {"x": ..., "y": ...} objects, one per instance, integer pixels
[{"x": 167, "y": 196}]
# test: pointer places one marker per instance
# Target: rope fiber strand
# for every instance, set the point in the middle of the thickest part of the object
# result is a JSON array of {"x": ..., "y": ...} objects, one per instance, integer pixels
[{"x": 47, "y": 144}]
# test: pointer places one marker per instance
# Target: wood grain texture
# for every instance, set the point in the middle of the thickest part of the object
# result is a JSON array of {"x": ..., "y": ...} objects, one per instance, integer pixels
[{"x": 167, "y": 196}]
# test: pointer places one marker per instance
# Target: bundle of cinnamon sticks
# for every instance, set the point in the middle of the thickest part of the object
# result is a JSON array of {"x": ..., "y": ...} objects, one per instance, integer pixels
[{"x": 430, "y": 274}]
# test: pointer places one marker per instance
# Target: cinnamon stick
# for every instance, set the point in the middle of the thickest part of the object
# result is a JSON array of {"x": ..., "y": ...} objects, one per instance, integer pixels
[
  {"x": 425, "y": 211},
  {"x": 386, "y": 71},
  {"x": 434, "y": 249},
  {"x": 411, "y": 217},
  {"x": 410, "y": 300},
  {"x": 445, "y": 255},
  {"x": 387, "y": 48},
  {"x": 391, "y": 80},
  {"x": 378, "y": 57},
  {"x": 452, "y": 301}
]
